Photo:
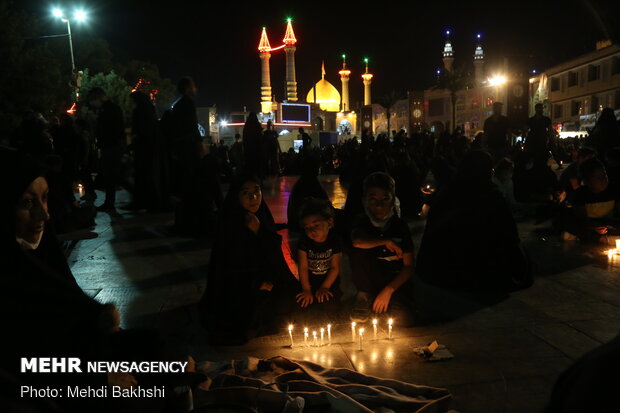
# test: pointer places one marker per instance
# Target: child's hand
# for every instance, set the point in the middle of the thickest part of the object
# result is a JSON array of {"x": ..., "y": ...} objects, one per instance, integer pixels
[
  {"x": 382, "y": 302},
  {"x": 305, "y": 298},
  {"x": 392, "y": 246},
  {"x": 323, "y": 294}
]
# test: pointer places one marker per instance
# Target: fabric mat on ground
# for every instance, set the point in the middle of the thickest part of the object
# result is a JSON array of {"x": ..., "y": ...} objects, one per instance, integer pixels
[{"x": 268, "y": 384}]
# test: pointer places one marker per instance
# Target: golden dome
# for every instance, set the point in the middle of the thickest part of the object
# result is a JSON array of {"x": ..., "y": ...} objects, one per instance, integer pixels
[{"x": 327, "y": 96}]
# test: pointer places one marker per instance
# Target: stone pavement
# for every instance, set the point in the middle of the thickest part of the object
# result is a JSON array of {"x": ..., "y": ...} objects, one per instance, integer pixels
[{"x": 507, "y": 353}]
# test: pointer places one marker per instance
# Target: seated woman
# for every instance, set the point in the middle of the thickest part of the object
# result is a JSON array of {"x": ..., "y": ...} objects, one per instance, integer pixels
[
  {"x": 382, "y": 255},
  {"x": 44, "y": 311},
  {"x": 249, "y": 286},
  {"x": 470, "y": 241},
  {"x": 594, "y": 206}
]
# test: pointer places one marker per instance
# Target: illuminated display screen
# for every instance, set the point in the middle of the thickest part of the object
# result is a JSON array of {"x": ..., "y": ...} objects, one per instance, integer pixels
[{"x": 295, "y": 113}]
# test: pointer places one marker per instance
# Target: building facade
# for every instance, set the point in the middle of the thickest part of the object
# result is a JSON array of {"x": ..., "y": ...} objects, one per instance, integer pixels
[{"x": 574, "y": 92}]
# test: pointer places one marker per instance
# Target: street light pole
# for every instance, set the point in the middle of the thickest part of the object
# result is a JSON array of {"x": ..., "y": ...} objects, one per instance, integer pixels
[{"x": 70, "y": 44}]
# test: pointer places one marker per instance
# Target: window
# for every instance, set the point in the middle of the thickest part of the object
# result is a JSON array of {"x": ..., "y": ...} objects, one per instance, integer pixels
[
  {"x": 557, "y": 111},
  {"x": 573, "y": 79},
  {"x": 595, "y": 104},
  {"x": 594, "y": 72},
  {"x": 575, "y": 108},
  {"x": 615, "y": 66},
  {"x": 555, "y": 84},
  {"x": 435, "y": 107}
]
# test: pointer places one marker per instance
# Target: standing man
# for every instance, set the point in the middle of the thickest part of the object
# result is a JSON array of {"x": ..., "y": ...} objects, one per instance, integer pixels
[
  {"x": 539, "y": 133},
  {"x": 272, "y": 149},
  {"x": 305, "y": 138},
  {"x": 496, "y": 131},
  {"x": 111, "y": 141},
  {"x": 185, "y": 141}
]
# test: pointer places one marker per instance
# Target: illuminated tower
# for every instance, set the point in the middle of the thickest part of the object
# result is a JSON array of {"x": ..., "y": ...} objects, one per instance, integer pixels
[
  {"x": 265, "y": 89},
  {"x": 367, "y": 81},
  {"x": 289, "y": 49},
  {"x": 344, "y": 78},
  {"x": 448, "y": 53},
  {"x": 479, "y": 62}
]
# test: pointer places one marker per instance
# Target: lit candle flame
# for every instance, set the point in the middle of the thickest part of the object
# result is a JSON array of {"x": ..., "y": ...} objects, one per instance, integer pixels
[{"x": 361, "y": 335}]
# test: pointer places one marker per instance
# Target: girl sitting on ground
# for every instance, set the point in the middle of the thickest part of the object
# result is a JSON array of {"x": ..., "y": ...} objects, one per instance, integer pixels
[
  {"x": 248, "y": 285},
  {"x": 319, "y": 258}
]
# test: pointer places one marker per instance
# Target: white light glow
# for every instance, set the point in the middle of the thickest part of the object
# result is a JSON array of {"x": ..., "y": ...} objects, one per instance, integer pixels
[
  {"x": 223, "y": 123},
  {"x": 57, "y": 12},
  {"x": 80, "y": 15},
  {"x": 497, "y": 80}
]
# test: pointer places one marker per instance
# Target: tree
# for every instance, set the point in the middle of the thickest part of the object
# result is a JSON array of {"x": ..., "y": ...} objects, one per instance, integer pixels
[
  {"x": 136, "y": 70},
  {"x": 31, "y": 78},
  {"x": 387, "y": 101},
  {"x": 115, "y": 87},
  {"x": 454, "y": 81}
]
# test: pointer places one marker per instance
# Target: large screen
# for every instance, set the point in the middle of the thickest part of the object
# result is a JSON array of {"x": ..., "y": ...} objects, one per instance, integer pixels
[{"x": 295, "y": 113}]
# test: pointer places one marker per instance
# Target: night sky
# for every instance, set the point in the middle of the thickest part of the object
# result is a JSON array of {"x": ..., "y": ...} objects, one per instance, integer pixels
[{"x": 216, "y": 42}]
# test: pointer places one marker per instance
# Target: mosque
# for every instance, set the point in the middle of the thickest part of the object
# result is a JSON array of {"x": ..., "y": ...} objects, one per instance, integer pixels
[{"x": 325, "y": 108}]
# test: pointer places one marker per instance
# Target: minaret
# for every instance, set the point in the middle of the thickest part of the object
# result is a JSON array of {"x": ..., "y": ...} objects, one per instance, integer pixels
[
  {"x": 289, "y": 49},
  {"x": 479, "y": 61},
  {"x": 448, "y": 53},
  {"x": 265, "y": 89},
  {"x": 344, "y": 78},
  {"x": 367, "y": 77}
]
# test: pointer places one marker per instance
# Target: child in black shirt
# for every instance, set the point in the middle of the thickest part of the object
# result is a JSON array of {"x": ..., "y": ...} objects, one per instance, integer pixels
[
  {"x": 382, "y": 257},
  {"x": 319, "y": 257}
]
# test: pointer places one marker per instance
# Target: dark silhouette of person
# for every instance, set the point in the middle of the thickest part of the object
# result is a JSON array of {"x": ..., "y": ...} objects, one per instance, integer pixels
[
  {"x": 308, "y": 185},
  {"x": 272, "y": 150},
  {"x": 111, "y": 141},
  {"x": 305, "y": 138},
  {"x": 236, "y": 154},
  {"x": 471, "y": 241},
  {"x": 151, "y": 189},
  {"x": 252, "y": 146},
  {"x": 539, "y": 132},
  {"x": 605, "y": 134},
  {"x": 180, "y": 125},
  {"x": 496, "y": 130}
]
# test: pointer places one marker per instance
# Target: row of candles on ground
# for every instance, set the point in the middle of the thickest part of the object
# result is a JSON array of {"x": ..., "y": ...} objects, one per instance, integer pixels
[
  {"x": 614, "y": 251},
  {"x": 356, "y": 333}
]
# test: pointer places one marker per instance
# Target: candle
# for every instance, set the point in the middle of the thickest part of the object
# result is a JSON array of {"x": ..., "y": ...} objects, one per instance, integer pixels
[
  {"x": 618, "y": 244},
  {"x": 290, "y": 333},
  {"x": 80, "y": 190},
  {"x": 306, "y": 336},
  {"x": 390, "y": 322},
  {"x": 353, "y": 324},
  {"x": 315, "y": 339},
  {"x": 374, "y": 326},
  {"x": 329, "y": 334},
  {"x": 322, "y": 334},
  {"x": 361, "y": 334}
]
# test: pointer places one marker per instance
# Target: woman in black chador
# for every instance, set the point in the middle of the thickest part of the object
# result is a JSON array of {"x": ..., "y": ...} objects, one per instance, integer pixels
[
  {"x": 249, "y": 286},
  {"x": 471, "y": 241}
]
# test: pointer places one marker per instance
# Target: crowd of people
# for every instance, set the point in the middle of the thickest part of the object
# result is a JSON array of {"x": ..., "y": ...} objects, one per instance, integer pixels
[{"x": 469, "y": 191}]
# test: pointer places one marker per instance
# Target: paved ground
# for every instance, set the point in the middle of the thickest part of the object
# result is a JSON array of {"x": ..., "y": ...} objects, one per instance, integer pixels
[{"x": 507, "y": 355}]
